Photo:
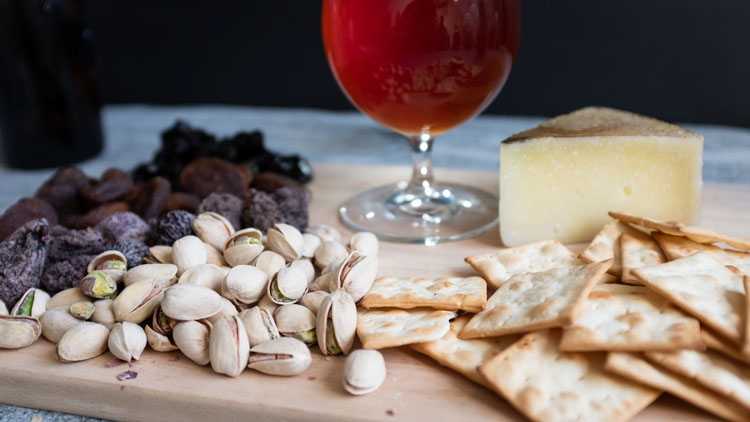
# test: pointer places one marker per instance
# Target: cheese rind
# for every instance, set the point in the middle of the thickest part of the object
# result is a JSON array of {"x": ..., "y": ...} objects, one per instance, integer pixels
[{"x": 555, "y": 184}]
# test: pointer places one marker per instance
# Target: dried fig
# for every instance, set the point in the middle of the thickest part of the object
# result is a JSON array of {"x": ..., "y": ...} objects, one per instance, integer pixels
[
  {"x": 26, "y": 209},
  {"x": 152, "y": 198}
]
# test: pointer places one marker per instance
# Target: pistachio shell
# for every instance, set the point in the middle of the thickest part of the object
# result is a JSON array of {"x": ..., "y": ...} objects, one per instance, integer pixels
[
  {"x": 206, "y": 275},
  {"x": 307, "y": 267},
  {"x": 188, "y": 302},
  {"x": 228, "y": 346},
  {"x": 245, "y": 283},
  {"x": 227, "y": 309},
  {"x": 337, "y": 314},
  {"x": 104, "y": 313},
  {"x": 161, "y": 254},
  {"x": 3, "y": 309},
  {"x": 18, "y": 331},
  {"x": 85, "y": 340},
  {"x": 214, "y": 256},
  {"x": 65, "y": 298},
  {"x": 322, "y": 283},
  {"x": 324, "y": 232},
  {"x": 127, "y": 341},
  {"x": 268, "y": 304},
  {"x": 159, "y": 273},
  {"x": 284, "y": 356},
  {"x": 355, "y": 275},
  {"x": 259, "y": 325},
  {"x": 137, "y": 301},
  {"x": 161, "y": 323},
  {"x": 288, "y": 286},
  {"x": 310, "y": 243},
  {"x": 158, "y": 341},
  {"x": 292, "y": 319},
  {"x": 243, "y": 253},
  {"x": 364, "y": 372},
  {"x": 312, "y": 300},
  {"x": 213, "y": 229},
  {"x": 34, "y": 301},
  {"x": 193, "y": 338},
  {"x": 115, "y": 274},
  {"x": 270, "y": 262},
  {"x": 56, "y": 322},
  {"x": 188, "y": 252},
  {"x": 286, "y": 241},
  {"x": 329, "y": 252},
  {"x": 365, "y": 243}
]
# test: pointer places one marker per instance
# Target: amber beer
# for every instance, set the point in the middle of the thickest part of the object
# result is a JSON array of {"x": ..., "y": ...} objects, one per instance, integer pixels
[{"x": 421, "y": 66}]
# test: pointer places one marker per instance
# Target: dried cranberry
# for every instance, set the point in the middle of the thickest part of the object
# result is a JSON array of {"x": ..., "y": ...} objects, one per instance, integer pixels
[
  {"x": 26, "y": 209},
  {"x": 152, "y": 197},
  {"x": 182, "y": 201},
  {"x": 114, "y": 184},
  {"x": 61, "y": 190},
  {"x": 22, "y": 257},
  {"x": 226, "y": 205},
  {"x": 208, "y": 175}
]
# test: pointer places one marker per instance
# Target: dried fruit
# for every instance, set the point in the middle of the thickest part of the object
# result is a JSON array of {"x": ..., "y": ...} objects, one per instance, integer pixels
[
  {"x": 26, "y": 209},
  {"x": 113, "y": 184},
  {"x": 94, "y": 216},
  {"x": 22, "y": 257},
  {"x": 182, "y": 201},
  {"x": 63, "y": 275},
  {"x": 65, "y": 243},
  {"x": 292, "y": 204},
  {"x": 208, "y": 175},
  {"x": 172, "y": 226},
  {"x": 261, "y": 212},
  {"x": 225, "y": 204},
  {"x": 133, "y": 250},
  {"x": 271, "y": 182},
  {"x": 61, "y": 191},
  {"x": 123, "y": 225},
  {"x": 152, "y": 197}
]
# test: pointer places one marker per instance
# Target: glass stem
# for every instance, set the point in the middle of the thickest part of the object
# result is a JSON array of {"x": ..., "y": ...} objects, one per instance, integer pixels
[{"x": 421, "y": 183}]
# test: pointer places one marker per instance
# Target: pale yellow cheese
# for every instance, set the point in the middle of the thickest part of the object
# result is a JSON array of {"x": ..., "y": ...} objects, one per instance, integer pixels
[{"x": 559, "y": 180}]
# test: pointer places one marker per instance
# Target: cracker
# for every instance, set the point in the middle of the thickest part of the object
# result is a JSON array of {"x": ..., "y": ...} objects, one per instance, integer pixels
[
  {"x": 711, "y": 370},
  {"x": 638, "y": 253},
  {"x": 702, "y": 235},
  {"x": 465, "y": 356},
  {"x": 746, "y": 336},
  {"x": 534, "y": 301},
  {"x": 448, "y": 293},
  {"x": 378, "y": 329},
  {"x": 616, "y": 317},
  {"x": 548, "y": 385},
  {"x": 497, "y": 267},
  {"x": 606, "y": 245},
  {"x": 608, "y": 279},
  {"x": 670, "y": 227},
  {"x": 632, "y": 366},
  {"x": 702, "y": 287},
  {"x": 676, "y": 247},
  {"x": 719, "y": 344}
]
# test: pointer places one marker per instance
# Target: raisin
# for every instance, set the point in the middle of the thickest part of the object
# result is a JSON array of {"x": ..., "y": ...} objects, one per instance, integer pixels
[
  {"x": 22, "y": 257},
  {"x": 270, "y": 182},
  {"x": 94, "y": 216},
  {"x": 134, "y": 251},
  {"x": 172, "y": 226},
  {"x": 292, "y": 166},
  {"x": 293, "y": 204},
  {"x": 123, "y": 225},
  {"x": 152, "y": 197},
  {"x": 64, "y": 243},
  {"x": 182, "y": 201},
  {"x": 208, "y": 175},
  {"x": 226, "y": 205},
  {"x": 63, "y": 275},
  {"x": 113, "y": 184},
  {"x": 261, "y": 211},
  {"x": 61, "y": 191},
  {"x": 26, "y": 209}
]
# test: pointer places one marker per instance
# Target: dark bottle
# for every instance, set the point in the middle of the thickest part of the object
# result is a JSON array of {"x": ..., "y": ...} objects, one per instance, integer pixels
[{"x": 49, "y": 103}]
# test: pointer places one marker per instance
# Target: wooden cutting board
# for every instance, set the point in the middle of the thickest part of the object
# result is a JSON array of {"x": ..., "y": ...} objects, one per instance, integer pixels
[{"x": 171, "y": 387}]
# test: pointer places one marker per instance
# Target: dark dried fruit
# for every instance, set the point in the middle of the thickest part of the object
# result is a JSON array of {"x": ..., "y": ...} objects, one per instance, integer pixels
[
  {"x": 292, "y": 204},
  {"x": 241, "y": 147},
  {"x": 127, "y": 375},
  {"x": 133, "y": 249},
  {"x": 152, "y": 198},
  {"x": 172, "y": 226},
  {"x": 182, "y": 201},
  {"x": 22, "y": 257},
  {"x": 123, "y": 225},
  {"x": 61, "y": 191},
  {"x": 226, "y": 205},
  {"x": 271, "y": 182},
  {"x": 26, "y": 209},
  {"x": 94, "y": 216},
  {"x": 113, "y": 184},
  {"x": 64, "y": 243},
  {"x": 261, "y": 210},
  {"x": 292, "y": 166},
  {"x": 208, "y": 175},
  {"x": 63, "y": 275}
]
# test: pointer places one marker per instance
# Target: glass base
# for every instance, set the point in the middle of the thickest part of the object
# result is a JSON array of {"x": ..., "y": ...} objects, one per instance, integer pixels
[{"x": 450, "y": 212}]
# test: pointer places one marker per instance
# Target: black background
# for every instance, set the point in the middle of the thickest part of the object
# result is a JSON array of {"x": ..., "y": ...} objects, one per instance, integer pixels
[{"x": 678, "y": 60}]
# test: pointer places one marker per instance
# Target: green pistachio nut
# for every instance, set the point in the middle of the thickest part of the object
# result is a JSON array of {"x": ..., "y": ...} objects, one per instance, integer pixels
[
  {"x": 25, "y": 308},
  {"x": 98, "y": 284},
  {"x": 308, "y": 337},
  {"x": 246, "y": 240},
  {"x": 82, "y": 310}
]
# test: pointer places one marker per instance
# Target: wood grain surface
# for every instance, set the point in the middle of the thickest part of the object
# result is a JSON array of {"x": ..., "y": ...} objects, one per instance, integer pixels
[{"x": 171, "y": 387}]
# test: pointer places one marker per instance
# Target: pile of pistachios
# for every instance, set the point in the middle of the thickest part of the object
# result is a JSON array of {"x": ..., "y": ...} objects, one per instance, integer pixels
[{"x": 231, "y": 299}]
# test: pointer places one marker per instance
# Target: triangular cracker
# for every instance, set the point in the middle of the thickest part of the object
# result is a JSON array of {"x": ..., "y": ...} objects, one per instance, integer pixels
[
  {"x": 497, "y": 267},
  {"x": 448, "y": 293},
  {"x": 378, "y": 329},
  {"x": 702, "y": 235},
  {"x": 632, "y": 366},
  {"x": 719, "y": 344},
  {"x": 638, "y": 253},
  {"x": 548, "y": 385},
  {"x": 702, "y": 287},
  {"x": 465, "y": 356},
  {"x": 670, "y": 227},
  {"x": 606, "y": 245},
  {"x": 710, "y": 369},
  {"x": 676, "y": 247},
  {"x": 615, "y": 317},
  {"x": 534, "y": 301}
]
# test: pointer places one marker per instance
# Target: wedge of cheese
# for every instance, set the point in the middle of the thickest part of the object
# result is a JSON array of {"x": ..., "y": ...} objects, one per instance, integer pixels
[{"x": 558, "y": 180}]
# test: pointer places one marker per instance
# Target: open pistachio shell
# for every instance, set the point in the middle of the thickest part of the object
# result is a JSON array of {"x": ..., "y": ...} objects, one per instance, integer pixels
[
  {"x": 245, "y": 283},
  {"x": 189, "y": 302},
  {"x": 137, "y": 301},
  {"x": 228, "y": 308},
  {"x": 336, "y": 323},
  {"x": 127, "y": 341},
  {"x": 3, "y": 309},
  {"x": 270, "y": 262},
  {"x": 286, "y": 241},
  {"x": 365, "y": 243},
  {"x": 268, "y": 304},
  {"x": 307, "y": 267},
  {"x": 162, "y": 274},
  {"x": 56, "y": 322},
  {"x": 288, "y": 286},
  {"x": 310, "y": 243},
  {"x": 18, "y": 331},
  {"x": 84, "y": 341},
  {"x": 113, "y": 263},
  {"x": 206, "y": 275},
  {"x": 322, "y": 283},
  {"x": 355, "y": 275},
  {"x": 228, "y": 346},
  {"x": 243, "y": 247},
  {"x": 215, "y": 256},
  {"x": 158, "y": 341},
  {"x": 328, "y": 252},
  {"x": 324, "y": 232},
  {"x": 213, "y": 229},
  {"x": 104, "y": 313},
  {"x": 284, "y": 356},
  {"x": 259, "y": 325},
  {"x": 312, "y": 300},
  {"x": 192, "y": 338},
  {"x": 296, "y": 321},
  {"x": 188, "y": 252},
  {"x": 32, "y": 303},
  {"x": 160, "y": 254},
  {"x": 65, "y": 298},
  {"x": 364, "y": 372}
]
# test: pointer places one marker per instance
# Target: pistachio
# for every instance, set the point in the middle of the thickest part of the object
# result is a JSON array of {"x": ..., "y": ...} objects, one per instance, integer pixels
[
  {"x": 288, "y": 286},
  {"x": 284, "y": 356},
  {"x": 206, "y": 275},
  {"x": 324, "y": 232},
  {"x": 18, "y": 331},
  {"x": 137, "y": 301},
  {"x": 307, "y": 267},
  {"x": 329, "y": 252},
  {"x": 127, "y": 341},
  {"x": 82, "y": 310},
  {"x": 364, "y": 372},
  {"x": 83, "y": 341},
  {"x": 160, "y": 254},
  {"x": 214, "y": 256},
  {"x": 161, "y": 323},
  {"x": 243, "y": 247},
  {"x": 336, "y": 323},
  {"x": 312, "y": 300},
  {"x": 365, "y": 243},
  {"x": 310, "y": 244},
  {"x": 56, "y": 322},
  {"x": 113, "y": 263},
  {"x": 188, "y": 302},
  {"x": 227, "y": 309},
  {"x": 355, "y": 275},
  {"x": 32, "y": 303},
  {"x": 296, "y": 321},
  {"x": 192, "y": 338},
  {"x": 158, "y": 341},
  {"x": 270, "y": 262},
  {"x": 213, "y": 229},
  {"x": 322, "y": 283},
  {"x": 65, "y": 298},
  {"x": 3, "y": 309},
  {"x": 268, "y": 304},
  {"x": 228, "y": 346},
  {"x": 286, "y": 241},
  {"x": 259, "y": 325},
  {"x": 104, "y": 313},
  {"x": 162, "y": 274},
  {"x": 245, "y": 283},
  {"x": 188, "y": 252},
  {"x": 98, "y": 284}
]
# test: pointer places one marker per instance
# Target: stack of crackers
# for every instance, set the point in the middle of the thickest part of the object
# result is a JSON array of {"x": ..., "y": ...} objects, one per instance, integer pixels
[{"x": 648, "y": 307}]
